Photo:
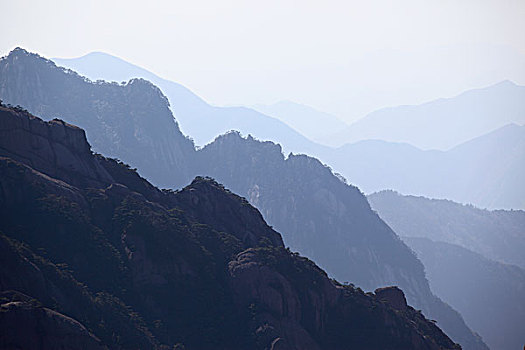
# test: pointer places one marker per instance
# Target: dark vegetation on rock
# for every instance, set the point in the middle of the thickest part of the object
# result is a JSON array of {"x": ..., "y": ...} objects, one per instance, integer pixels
[{"x": 99, "y": 257}]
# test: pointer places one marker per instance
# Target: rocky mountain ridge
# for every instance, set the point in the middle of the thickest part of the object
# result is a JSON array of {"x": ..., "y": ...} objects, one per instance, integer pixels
[
  {"x": 320, "y": 216},
  {"x": 135, "y": 267}
]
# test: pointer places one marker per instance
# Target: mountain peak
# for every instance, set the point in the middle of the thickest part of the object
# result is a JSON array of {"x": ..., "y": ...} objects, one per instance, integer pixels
[
  {"x": 18, "y": 52},
  {"x": 506, "y": 82},
  {"x": 233, "y": 138}
]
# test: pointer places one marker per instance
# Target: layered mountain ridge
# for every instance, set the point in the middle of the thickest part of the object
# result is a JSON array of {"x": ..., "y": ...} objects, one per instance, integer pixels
[
  {"x": 477, "y": 287},
  {"x": 496, "y": 234},
  {"x": 473, "y": 259},
  {"x": 319, "y": 215},
  {"x": 113, "y": 114},
  {"x": 479, "y": 127},
  {"x": 443, "y": 123},
  {"x": 135, "y": 267}
]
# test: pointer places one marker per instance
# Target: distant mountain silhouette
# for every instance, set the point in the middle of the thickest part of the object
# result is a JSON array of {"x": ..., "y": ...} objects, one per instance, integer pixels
[
  {"x": 319, "y": 215},
  {"x": 459, "y": 246},
  {"x": 314, "y": 124},
  {"x": 498, "y": 235},
  {"x": 460, "y": 174},
  {"x": 443, "y": 123},
  {"x": 198, "y": 119},
  {"x": 487, "y": 171},
  {"x": 488, "y": 294}
]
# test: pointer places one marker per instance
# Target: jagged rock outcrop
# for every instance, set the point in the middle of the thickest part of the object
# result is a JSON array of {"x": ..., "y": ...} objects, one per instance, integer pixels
[
  {"x": 56, "y": 148},
  {"x": 136, "y": 267},
  {"x": 393, "y": 296},
  {"x": 265, "y": 281},
  {"x": 248, "y": 225}
]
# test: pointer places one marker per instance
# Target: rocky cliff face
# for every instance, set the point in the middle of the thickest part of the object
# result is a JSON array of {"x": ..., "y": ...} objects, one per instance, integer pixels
[
  {"x": 146, "y": 268},
  {"x": 328, "y": 221},
  {"x": 130, "y": 121},
  {"x": 321, "y": 316},
  {"x": 55, "y": 148}
]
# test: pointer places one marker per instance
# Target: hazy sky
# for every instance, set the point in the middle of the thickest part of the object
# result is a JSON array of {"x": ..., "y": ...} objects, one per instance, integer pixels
[{"x": 344, "y": 57}]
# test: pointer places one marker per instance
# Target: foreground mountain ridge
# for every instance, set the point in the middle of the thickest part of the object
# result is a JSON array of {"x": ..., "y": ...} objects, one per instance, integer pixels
[
  {"x": 322, "y": 217},
  {"x": 143, "y": 268}
]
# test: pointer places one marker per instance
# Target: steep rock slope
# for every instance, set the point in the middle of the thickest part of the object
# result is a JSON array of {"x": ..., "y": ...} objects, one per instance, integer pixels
[
  {"x": 349, "y": 240},
  {"x": 120, "y": 119},
  {"x": 198, "y": 267},
  {"x": 327, "y": 220},
  {"x": 488, "y": 294},
  {"x": 498, "y": 235}
]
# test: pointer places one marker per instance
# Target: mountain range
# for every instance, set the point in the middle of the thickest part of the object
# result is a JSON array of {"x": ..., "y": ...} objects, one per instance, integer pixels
[
  {"x": 497, "y": 235},
  {"x": 93, "y": 256},
  {"x": 486, "y": 171},
  {"x": 488, "y": 294},
  {"x": 444, "y": 123},
  {"x": 473, "y": 259},
  {"x": 196, "y": 118},
  {"x": 314, "y": 124},
  {"x": 319, "y": 214},
  {"x": 440, "y": 124},
  {"x": 483, "y": 125}
]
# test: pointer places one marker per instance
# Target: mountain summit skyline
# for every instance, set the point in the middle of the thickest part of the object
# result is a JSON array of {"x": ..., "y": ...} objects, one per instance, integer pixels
[
  {"x": 453, "y": 120},
  {"x": 459, "y": 174},
  {"x": 323, "y": 217},
  {"x": 277, "y": 175}
]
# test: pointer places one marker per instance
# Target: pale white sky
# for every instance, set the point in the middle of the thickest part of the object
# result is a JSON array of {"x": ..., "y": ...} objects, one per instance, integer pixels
[{"x": 344, "y": 57}]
